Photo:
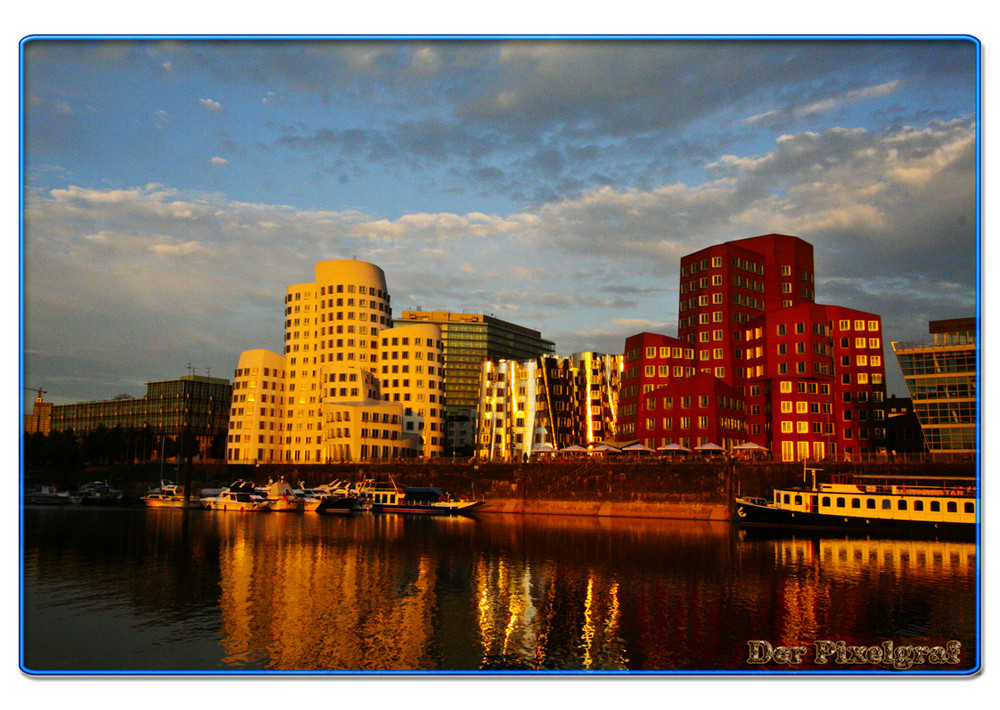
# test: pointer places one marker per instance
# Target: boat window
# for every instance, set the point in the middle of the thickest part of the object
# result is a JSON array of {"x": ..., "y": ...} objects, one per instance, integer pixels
[
  {"x": 919, "y": 504},
  {"x": 901, "y": 505},
  {"x": 936, "y": 506},
  {"x": 970, "y": 508},
  {"x": 952, "y": 506},
  {"x": 870, "y": 503},
  {"x": 840, "y": 502},
  {"x": 855, "y": 502},
  {"x": 826, "y": 500},
  {"x": 787, "y": 497},
  {"x": 886, "y": 504},
  {"x": 798, "y": 500}
]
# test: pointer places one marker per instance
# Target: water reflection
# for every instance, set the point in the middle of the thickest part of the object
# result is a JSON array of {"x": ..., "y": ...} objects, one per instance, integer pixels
[{"x": 194, "y": 590}]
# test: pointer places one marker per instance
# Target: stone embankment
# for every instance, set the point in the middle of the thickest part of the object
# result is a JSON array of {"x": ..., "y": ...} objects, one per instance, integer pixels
[{"x": 638, "y": 488}]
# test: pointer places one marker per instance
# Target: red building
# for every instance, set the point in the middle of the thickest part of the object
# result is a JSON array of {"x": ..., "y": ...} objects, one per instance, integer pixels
[
  {"x": 810, "y": 378},
  {"x": 652, "y": 362}
]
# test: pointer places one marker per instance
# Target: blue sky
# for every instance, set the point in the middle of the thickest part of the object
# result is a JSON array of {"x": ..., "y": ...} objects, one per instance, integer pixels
[{"x": 173, "y": 189}]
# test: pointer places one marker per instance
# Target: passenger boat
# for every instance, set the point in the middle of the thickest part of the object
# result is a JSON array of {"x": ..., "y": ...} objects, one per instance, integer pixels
[
  {"x": 869, "y": 503},
  {"x": 240, "y": 496},
  {"x": 389, "y": 498},
  {"x": 96, "y": 493},
  {"x": 168, "y": 495}
]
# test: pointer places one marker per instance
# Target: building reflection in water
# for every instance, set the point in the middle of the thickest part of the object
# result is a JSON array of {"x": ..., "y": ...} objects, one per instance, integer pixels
[{"x": 391, "y": 593}]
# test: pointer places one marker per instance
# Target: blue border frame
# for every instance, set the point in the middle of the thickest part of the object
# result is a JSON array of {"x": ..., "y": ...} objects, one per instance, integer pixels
[{"x": 486, "y": 673}]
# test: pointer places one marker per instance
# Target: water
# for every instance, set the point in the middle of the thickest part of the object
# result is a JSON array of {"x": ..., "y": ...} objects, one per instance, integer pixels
[{"x": 132, "y": 589}]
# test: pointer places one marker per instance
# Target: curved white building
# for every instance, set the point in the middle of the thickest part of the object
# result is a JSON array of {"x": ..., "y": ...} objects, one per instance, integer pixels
[{"x": 411, "y": 368}]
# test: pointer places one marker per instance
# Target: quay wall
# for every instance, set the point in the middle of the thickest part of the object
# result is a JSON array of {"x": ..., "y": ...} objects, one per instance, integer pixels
[
  {"x": 640, "y": 488},
  {"x": 635, "y": 488}
]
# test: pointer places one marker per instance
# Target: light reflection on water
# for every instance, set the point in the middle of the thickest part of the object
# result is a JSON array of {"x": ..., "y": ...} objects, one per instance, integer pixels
[{"x": 136, "y": 589}]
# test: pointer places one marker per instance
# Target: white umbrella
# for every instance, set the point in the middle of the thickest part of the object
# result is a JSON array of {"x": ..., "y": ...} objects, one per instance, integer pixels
[
  {"x": 574, "y": 448},
  {"x": 606, "y": 448},
  {"x": 638, "y": 447},
  {"x": 749, "y": 446},
  {"x": 674, "y": 447},
  {"x": 709, "y": 447}
]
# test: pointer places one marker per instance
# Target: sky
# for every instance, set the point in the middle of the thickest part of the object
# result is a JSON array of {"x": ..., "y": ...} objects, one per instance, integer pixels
[{"x": 173, "y": 189}]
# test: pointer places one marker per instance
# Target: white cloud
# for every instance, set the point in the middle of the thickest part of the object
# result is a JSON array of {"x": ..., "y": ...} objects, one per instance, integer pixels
[
  {"x": 218, "y": 162},
  {"x": 211, "y": 105}
]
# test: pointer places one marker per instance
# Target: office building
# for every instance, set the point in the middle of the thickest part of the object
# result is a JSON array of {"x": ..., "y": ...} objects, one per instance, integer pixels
[
  {"x": 941, "y": 379},
  {"x": 547, "y": 402},
  {"x": 348, "y": 386},
  {"x": 810, "y": 376},
  {"x": 191, "y": 404},
  {"x": 469, "y": 340}
]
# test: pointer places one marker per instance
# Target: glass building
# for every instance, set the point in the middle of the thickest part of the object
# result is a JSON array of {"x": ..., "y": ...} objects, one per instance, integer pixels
[
  {"x": 941, "y": 379},
  {"x": 469, "y": 340},
  {"x": 195, "y": 403}
]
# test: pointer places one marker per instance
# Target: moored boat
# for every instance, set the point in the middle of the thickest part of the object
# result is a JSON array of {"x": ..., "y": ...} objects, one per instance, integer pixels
[
  {"x": 924, "y": 505},
  {"x": 96, "y": 493},
  {"x": 333, "y": 497},
  {"x": 419, "y": 501},
  {"x": 239, "y": 496},
  {"x": 45, "y": 495},
  {"x": 281, "y": 497},
  {"x": 168, "y": 495}
]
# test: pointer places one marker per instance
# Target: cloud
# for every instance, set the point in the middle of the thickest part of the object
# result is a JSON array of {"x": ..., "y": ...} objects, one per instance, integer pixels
[
  {"x": 588, "y": 270},
  {"x": 210, "y": 104},
  {"x": 218, "y": 162},
  {"x": 835, "y": 102}
]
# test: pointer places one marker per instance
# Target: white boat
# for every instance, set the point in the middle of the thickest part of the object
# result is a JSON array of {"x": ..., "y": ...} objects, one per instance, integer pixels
[
  {"x": 921, "y": 505},
  {"x": 168, "y": 495},
  {"x": 282, "y": 497},
  {"x": 309, "y": 497},
  {"x": 239, "y": 496}
]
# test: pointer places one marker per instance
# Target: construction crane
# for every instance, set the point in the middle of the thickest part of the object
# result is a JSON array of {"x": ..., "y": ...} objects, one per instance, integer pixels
[{"x": 39, "y": 390}]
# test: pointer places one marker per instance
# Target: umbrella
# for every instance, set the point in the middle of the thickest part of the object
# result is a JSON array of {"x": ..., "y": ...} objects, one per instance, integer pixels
[
  {"x": 606, "y": 448},
  {"x": 574, "y": 448},
  {"x": 638, "y": 447},
  {"x": 709, "y": 447},
  {"x": 749, "y": 446},
  {"x": 675, "y": 447}
]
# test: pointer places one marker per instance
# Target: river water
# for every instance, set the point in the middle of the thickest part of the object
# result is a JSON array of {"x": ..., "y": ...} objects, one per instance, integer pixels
[{"x": 130, "y": 589}]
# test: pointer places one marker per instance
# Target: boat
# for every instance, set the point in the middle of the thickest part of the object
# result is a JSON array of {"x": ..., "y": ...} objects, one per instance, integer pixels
[
  {"x": 96, "y": 493},
  {"x": 896, "y": 504},
  {"x": 240, "y": 496},
  {"x": 45, "y": 495},
  {"x": 281, "y": 497},
  {"x": 390, "y": 498},
  {"x": 168, "y": 495},
  {"x": 336, "y": 497}
]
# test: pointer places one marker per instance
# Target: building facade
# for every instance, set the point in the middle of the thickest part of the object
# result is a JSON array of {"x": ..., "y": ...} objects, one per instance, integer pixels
[
  {"x": 469, "y": 340},
  {"x": 193, "y": 403},
  {"x": 348, "y": 385},
  {"x": 808, "y": 379},
  {"x": 941, "y": 379},
  {"x": 547, "y": 402}
]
